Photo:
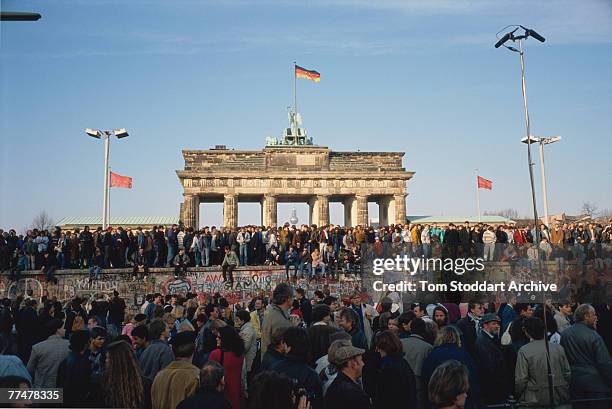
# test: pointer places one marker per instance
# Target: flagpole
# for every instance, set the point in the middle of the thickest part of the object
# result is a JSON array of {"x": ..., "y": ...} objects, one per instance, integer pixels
[
  {"x": 477, "y": 195},
  {"x": 108, "y": 202},
  {"x": 294, "y": 89}
]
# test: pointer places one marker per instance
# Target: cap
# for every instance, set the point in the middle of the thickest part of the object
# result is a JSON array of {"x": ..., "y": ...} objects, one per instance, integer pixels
[
  {"x": 341, "y": 351},
  {"x": 489, "y": 317}
]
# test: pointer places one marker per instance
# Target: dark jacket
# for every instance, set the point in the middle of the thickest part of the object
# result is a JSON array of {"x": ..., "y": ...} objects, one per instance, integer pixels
[
  {"x": 318, "y": 338},
  {"x": 304, "y": 377},
  {"x": 395, "y": 376},
  {"x": 358, "y": 338},
  {"x": 270, "y": 358},
  {"x": 589, "y": 360},
  {"x": 344, "y": 393},
  {"x": 74, "y": 375},
  {"x": 495, "y": 376},
  {"x": 446, "y": 352},
  {"x": 209, "y": 399},
  {"x": 467, "y": 326}
]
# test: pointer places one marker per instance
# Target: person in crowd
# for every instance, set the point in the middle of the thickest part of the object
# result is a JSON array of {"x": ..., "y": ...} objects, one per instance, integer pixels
[
  {"x": 276, "y": 350},
  {"x": 292, "y": 259},
  {"x": 96, "y": 353},
  {"x": 394, "y": 374},
  {"x": 257, "y": 315},
  {"x": 140, "y": 340},
  {"x": 229, "y": 263},
  {"x": 319, "y": 332},
  {"x": 150, "y": 309},
  {"x": 365, "y": 314},
  {"x": 416, "y": 349},
  {"x": 589, "y": 359},
  {"x": 116, "y": 314},
  {"x": 12, "y": 366},
  {"x": 531, "y": 373},
  {"x": 295, "y": 365},
  {"x": 440, "y": 316},
  {"x": 508, "y": 313},
  {"x": 493, "y": 371},
  {"x": 27, "y": 327},
  {"x": 563, "y": 315},
  {"x": 17, "y": 383},
  {"x": 448, "y": 347},
  {"x": 123, "y": 384},
  {"x": 181, "y": 262},
  {"x": 230, "y": 354},
  {"x": 345, "y": 391},
  {"x": 158, "y": 353},
  {"x": 249, "y": 337},
  {"x": 470, "y": 326},
  {"x": 141, "y": 265},
  {"x": 210, "y": 392},
  {"x": 348, "y": 321},
  {"x": 180, "y": 378},
  {"x": 448, "y": 386},
  {"x": 271, "y": 390},
  {"x": 276, "y": 314},
  {"x": 305, "y": 306},
  {"x": 47, "y": 356},
  {"x": 74, "y": 372}
]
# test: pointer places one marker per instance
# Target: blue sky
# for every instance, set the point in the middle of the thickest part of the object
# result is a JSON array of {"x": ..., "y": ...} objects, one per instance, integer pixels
[{"x": 414, "y": 76}]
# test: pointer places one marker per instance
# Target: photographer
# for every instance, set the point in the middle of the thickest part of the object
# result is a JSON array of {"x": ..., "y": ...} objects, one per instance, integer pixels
[{"x": 271, "y": 390}]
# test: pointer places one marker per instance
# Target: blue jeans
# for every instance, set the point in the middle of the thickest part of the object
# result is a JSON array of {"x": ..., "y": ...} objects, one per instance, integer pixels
[
  {"x": 303, "y": 266},
  {"x": 244, "y": 258},
  {"x": 60, "y": 259},
  {"x": 171, "y": 254},
  {"x": 288, "y": 266},
  {"x": 426, "y": 250},
  {"x": 94, "y": 272},
  {"x": 206, "y": 257},
  {"x": 198, "y": 257}
]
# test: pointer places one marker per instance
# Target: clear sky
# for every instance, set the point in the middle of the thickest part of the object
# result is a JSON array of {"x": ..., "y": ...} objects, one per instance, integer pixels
[{"x": 415, "y": 76}]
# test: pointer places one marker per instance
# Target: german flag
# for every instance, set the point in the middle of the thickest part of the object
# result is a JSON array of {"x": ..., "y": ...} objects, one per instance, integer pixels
[{"x": 311, "y": 75}]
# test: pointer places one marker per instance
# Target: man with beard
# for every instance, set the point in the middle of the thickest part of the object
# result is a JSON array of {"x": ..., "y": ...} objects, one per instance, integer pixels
[
  {"x": 440, "y": 316},
  {"x": 494, "y": 374}
]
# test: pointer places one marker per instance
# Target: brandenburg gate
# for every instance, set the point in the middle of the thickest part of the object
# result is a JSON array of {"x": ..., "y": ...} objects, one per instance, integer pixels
[{"x": 294, "y": 170}]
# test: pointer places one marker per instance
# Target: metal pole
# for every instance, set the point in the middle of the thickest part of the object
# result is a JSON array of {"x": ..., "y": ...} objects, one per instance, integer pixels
[
  {"x": 544, "y": 182},
  {"x": 477, "y": 195},
  {"x": 105, "y": 202},
  {"x": 536, "y": 227},
  {"x": 294, "y": 89}
]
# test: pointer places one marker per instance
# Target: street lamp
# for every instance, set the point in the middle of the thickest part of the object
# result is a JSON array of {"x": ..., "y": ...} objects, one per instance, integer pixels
[
  {"x": 106, "y": 135},
  {"x": 543, "y": 141},
  {"x": 526, "y": 33}
]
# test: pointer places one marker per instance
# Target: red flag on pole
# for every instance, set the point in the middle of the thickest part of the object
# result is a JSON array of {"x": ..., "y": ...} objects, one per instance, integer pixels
[
  {"x": 484, "y": 183},
  {"x": 117, "y": 180}
]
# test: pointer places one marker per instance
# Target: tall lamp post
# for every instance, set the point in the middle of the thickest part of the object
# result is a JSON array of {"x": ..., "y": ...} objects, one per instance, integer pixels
[
  {"x": 106, "y": 136},
  {"x": 543, "y": 141},
  {"x": 521, "y": 37}
]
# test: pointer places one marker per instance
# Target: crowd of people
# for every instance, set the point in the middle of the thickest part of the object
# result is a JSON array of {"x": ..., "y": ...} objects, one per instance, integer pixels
[
  {"x": 307, "y": 251},
  {"x": 288, "y": 350}
]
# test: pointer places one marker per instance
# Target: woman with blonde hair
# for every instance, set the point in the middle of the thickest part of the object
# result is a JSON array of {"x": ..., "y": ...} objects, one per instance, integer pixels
[{"x": 448, "y": 347}]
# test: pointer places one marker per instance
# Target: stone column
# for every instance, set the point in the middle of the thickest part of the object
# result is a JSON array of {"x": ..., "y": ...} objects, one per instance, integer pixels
[
  {"x": 400, "y": 208},
  {"x": 362, "y": 210},
  {"x": 323, "y": 204},
  {"x": 350, "y": 206},
  {"x": 190, "y": 211},
  {"x": 269, "y": 211},
  {"x": 313, "y": 211},
  {"x": 230, "y": 211},
  {"x": 386, "y": 210}
]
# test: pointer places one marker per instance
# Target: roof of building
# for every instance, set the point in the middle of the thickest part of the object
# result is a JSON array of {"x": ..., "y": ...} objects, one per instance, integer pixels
[
  {"x": 119, "y": 221},
  {"x": 460, "y": 219}
]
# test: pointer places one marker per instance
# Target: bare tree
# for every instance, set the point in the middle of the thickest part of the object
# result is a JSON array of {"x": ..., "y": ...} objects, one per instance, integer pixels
[
  {"x": 590, "y": 209},
  {"x": 605, "y": 215},
  {"x": 43, "y": 221},
  {"x": 507, "y": 213}
]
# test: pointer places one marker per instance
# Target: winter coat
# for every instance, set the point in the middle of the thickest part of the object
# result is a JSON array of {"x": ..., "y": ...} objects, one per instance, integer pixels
[
  {"x": 589, "y": 359},
  {"x": 274, "y": 318},
  {"x": 531, "y": 374}
]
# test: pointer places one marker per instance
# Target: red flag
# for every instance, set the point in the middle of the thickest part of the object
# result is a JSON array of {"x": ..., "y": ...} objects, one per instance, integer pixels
[
  {"x": 484, "y": 183},
  {"x": 117, "y": 180}
]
